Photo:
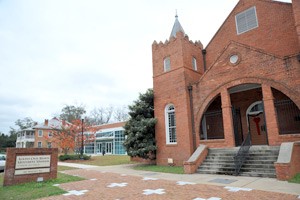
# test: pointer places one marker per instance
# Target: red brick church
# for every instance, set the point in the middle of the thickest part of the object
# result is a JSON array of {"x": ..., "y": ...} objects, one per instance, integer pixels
[{"x": 244, "y": 84}]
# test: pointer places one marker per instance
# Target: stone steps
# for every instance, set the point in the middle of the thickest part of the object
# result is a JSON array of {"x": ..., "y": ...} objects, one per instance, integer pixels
[{"x": 260, "y": 162}]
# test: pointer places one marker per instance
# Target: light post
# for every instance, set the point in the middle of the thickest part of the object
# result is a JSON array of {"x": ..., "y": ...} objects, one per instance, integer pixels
[{"x": 81, "y": 152}]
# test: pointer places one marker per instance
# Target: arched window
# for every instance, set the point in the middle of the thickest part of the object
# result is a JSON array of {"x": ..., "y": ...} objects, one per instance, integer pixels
[
  {"x": 167, "y": 64},
  {"x": 170, "y": 124}
]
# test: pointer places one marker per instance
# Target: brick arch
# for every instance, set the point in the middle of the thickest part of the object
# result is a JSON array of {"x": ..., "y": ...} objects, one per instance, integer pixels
[{"x": 293, "y": 95}]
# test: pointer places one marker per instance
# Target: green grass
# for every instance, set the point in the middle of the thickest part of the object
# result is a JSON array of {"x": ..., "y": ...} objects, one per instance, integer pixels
[
  {"x": 164, "y": 169},
  {"x": 34, "y": 190},
  {"x": 63, "y": 168},
  {"x": 105, "y": 160},
  {"x": 295, "y": 179}
]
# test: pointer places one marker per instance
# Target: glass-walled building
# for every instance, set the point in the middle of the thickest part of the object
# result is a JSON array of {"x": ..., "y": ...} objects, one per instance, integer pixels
[{"x": 108, "y": 139}]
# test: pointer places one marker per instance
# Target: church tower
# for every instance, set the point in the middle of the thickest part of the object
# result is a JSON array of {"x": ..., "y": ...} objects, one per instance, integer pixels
[{"x": 177, "y": 64}]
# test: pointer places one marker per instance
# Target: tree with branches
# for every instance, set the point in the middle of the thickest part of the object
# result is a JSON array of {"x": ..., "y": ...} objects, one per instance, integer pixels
[{"x": 69, "y": 135}]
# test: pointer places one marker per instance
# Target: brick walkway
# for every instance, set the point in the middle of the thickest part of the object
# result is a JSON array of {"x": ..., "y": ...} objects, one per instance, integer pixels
[{"x": 113, "y": 186}]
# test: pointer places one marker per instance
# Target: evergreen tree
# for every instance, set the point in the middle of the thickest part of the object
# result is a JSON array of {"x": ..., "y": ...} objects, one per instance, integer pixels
[{"x": 140, "y": 129}]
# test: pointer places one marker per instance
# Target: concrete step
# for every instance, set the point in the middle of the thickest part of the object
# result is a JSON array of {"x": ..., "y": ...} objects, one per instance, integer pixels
[
  {"x": 259, "y": 163},
  {"x": 253, "y": 174}
]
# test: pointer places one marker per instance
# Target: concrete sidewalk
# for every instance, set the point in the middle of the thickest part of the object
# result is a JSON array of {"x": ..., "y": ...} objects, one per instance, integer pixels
[{"x": 257, "y": 183}]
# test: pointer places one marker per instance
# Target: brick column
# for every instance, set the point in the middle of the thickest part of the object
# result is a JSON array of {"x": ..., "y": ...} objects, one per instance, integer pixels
[
  {"x": 270, "y": 114},
  {"x": 227, "y": 118}
]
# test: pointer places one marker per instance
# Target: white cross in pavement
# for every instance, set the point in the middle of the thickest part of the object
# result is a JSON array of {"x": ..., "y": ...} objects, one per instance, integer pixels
[
  {"x": 236, "y": 189},
  {"x": 75, "y": 192},
  {"x": 211, "y": 198},
  {"x": 93, "y": 179},
  {"x": 149, "y": 179},
  {"x": 117, "y": 185},
  {"x": 157, "y": 191},
  {"x": 184, "y": 183}
]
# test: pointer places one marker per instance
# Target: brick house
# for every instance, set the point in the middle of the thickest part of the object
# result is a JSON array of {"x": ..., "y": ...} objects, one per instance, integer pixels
[
  {"x": 246, "y": 81},
  {"x": 40, "y": 135}
]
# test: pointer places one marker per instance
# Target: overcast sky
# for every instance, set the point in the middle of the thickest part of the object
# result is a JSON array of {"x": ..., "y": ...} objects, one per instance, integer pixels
[{"x": 91, "y": 52}]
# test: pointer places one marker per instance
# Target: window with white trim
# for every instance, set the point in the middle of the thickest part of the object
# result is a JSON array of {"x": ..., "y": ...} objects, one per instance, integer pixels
[
  {"x": 194, "y": 61},
  {"x": 39, "y": 144},
  {"x": 167, "y": 64},
  {"x": 40, "y": 133},
  {"x": 170, "y": 124},
  {"x": 50, "y": 134},
  {"x": 49, "y": 144},
  {"x": 246, "y": 20}
]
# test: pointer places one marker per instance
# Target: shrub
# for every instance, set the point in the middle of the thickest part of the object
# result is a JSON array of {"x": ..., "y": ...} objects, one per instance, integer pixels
[{"x": 73, "y": 157}]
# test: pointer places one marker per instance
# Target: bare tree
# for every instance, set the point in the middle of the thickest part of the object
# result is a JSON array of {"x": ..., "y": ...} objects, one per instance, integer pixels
[
  {"x": 121, "y": 113},
  {"x": 101, "y": 115}
]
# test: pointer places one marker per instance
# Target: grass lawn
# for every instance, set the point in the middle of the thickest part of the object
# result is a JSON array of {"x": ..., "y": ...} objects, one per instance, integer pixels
[
  {"x": 34, "y": 190},
  {"x": 165, "y": 169},
  {"x": 295, "y": 179},
  {"x": 105, "y": 160},
  {"x": 63, "y": 168}
]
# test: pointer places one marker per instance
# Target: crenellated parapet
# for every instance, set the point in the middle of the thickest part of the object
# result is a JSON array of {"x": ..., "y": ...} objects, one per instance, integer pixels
[{"x": 172, "y": 39}]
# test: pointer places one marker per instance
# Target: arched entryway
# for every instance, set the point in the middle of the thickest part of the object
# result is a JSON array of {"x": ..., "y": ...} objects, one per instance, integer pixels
[
  {"x": 256, "y": 123},
  {"x": 212, "y": 121},
  {"x": 247, "y": 113},
  {"x": 249, "y": 108}
]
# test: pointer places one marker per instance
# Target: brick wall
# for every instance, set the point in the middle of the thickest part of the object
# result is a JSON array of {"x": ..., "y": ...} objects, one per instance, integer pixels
[
  {"x": 171, "y": 88},
  {"x": 287, "y": 170},
  {"x": 267, "y": 56},
  {"x": 275, "y": 24}
]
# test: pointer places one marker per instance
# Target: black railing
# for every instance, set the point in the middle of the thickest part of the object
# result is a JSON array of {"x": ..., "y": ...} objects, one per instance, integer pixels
[
  {"x": 242, "y": 154},
  {"x": 288, "y": 116}
]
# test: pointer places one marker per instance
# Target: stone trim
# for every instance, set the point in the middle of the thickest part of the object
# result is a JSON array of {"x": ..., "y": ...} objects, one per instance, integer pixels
[
  {"x": 288, "y": 162},
  {"x": 195, "y": 160}
]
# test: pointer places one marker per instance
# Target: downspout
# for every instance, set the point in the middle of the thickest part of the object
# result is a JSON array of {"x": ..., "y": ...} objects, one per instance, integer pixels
[
  {"x": 204, "y": 59},
  {"x": 190, "y": 89}
]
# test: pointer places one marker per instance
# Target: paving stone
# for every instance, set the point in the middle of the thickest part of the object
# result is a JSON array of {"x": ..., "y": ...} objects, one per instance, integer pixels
[
  {"x": 222, "y": 180},
  {"x": 136, "y": 187}
]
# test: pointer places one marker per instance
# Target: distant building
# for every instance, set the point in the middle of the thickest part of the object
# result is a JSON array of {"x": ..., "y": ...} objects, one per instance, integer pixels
[
  {"x": 40, "y": 135},
  {"x": 109, "y": 138}
]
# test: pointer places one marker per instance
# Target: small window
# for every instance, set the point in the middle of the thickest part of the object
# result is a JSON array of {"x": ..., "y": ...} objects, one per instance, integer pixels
[
  {"x": 50, "y": 134},
  {"x": 40, "y": 133},
  {"x": 39, "y": 144},
  {"x": 194, "y": 64},
  {"x": 49, "y": 145},
  {"x": 246, "y": 21},
  {"x": 170, "y": 125},
  {"x": 167, "y": 64}
]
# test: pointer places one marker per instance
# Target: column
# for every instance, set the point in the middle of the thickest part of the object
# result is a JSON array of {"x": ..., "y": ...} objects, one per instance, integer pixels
[
  {"x": 227, "y": 118},
  {"x": 270, "y": 114}
]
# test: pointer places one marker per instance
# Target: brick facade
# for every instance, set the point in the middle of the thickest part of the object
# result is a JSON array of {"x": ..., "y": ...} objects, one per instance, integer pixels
[{"x": 267, "y": 70}]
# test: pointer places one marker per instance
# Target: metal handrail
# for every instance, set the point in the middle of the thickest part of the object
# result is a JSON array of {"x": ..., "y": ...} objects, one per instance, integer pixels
[{"x": 242, "y": 154}]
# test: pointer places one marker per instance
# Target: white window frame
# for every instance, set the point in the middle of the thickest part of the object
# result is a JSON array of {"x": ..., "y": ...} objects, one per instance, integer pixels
[
  {"x": 167, "y": 64},
  {"x": 40, "y": 133},
  {"x": 246, "y": 20},
  {"x": 167, "y": 125},
  {"x": 194, "y": 63},
  {"x": 39, "y": 145},
  {"x": 50, "y": 134},
  {"x": 49, "y": 145}
]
